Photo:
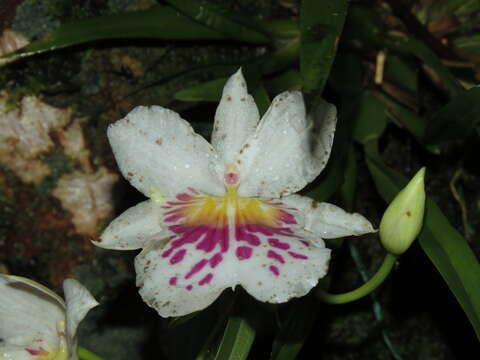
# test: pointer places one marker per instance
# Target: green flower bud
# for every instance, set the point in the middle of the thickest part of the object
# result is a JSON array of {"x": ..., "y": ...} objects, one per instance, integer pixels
[{"x": 403, "y": 218}]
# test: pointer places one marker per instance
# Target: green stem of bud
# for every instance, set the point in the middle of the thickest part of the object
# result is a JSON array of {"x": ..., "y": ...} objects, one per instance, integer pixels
[
  {"x": 365, "y": 289},
  {"x": 85, "y": 354}
]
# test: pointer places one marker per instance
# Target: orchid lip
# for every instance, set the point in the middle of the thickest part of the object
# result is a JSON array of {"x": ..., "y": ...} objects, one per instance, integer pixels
[{"x": 208, "y": 237}]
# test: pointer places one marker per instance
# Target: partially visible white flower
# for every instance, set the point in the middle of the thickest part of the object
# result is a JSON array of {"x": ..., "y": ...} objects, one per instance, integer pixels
[
  {"x": 224, "y": 214},
  {"x": 37, "y": 324}
]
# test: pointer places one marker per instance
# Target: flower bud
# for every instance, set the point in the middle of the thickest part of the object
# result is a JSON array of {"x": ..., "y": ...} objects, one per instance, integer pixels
[{"x": 403, "y": 218}]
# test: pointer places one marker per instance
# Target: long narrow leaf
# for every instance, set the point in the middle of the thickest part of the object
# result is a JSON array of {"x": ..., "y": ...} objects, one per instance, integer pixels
[
  {"x": 294, "y": 332},
  {"x": 219, "y": 18},
  {"x": 364, "y": 24},
  {"x": 457, "y": 119},
  {"x": 321, "y": 23},
  {"x": 253, "y": 71},
  {"x": 428, "y": 57},
  {"x": 237, "y": 340},
  {"x": 158, "y": 22}
]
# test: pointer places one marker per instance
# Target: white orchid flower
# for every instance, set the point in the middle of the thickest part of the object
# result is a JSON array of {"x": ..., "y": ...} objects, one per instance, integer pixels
[
  {"x": 36, "y": 324},
  {"x": 224, "y": 214}
]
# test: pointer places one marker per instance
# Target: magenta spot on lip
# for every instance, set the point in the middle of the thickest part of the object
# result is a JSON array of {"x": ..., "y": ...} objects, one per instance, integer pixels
[
  {"x": 178, "y": 256},
  {"x": 173, "y": 281},
  {"x": 189, "y": 287},
  {"x": 173, "y": 218},
  {"x": 297, "y": 255},
  {"x": 213, "y": 237},
  {"x": 231, "y": 178},
  {"x": 215, "y": 260},
  {"x": 287, "y": 218},
  {"x": 165, "y": 207},
  {"x": 184, "y": 197},
  {"x": 35, "y": 352},
  {"x": 278, "y": 244},
  {"x": 243, "y": 252},
  {"x": 206, "y": 279},
  {"x": 176, "y": 203},
  {"x": 306, "y": 243},
  {"x": 196, "y": 268},
  {"x": 193, "y": 190},
  {"x": 174, "y": 211},
  {"x": 276, "y": 256},
  {"x": 274, "y": 270},
  {"x": 242, "y": 235}
]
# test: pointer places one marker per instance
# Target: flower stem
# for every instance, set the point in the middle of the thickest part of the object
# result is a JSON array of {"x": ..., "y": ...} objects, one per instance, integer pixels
[
  {"x": 85, "y": 354},
  {"x": 363, "y": 290}
]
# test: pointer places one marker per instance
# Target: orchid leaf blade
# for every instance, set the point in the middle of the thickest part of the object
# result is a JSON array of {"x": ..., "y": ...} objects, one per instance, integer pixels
[
  {"x": 293, "y": 334},
  {"x": 321, "y": 24},
  {"x": 455, "y": 120},
  {"x": 365, "y": 25},
  {"x": 207, "y": 91},
  {"x": 221, "y": 19},
  {"x": 237, "y": 340},
  {"x": 158, "y": 22}
]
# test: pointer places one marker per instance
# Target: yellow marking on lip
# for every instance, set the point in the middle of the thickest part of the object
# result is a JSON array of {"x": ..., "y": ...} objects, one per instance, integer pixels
[{"x": 214, "y": 211}]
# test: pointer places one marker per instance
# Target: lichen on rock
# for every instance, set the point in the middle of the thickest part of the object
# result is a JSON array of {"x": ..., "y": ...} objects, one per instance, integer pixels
[
  {"x": 10, "y": 41},
  {"x": 88, "y": 196},
  {"x": 25, "y": 134}
]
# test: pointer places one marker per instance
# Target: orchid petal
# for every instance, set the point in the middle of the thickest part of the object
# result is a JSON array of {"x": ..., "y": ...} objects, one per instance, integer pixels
[
  {"x": 79, "y": 301},
  {"x": 30, "y": 315},
  {"x": 209, "y": 244},
  {"x": 235, "y": 119},
  {"x": 131, "y": 229},
  {"x": 157, "y": 150},
  {"x": 288, "y": 149},
  {"x": 327, "y": 220}
]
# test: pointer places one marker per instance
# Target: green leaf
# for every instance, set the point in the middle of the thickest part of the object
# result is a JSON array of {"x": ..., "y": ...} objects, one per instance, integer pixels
[
  {"x": 468, "y": 44},
  {"x": 457, "y": 7},
  {"x": 365, "y": 25},
  {"x": 207, "y": 91},
  {"x": 181, "y": 320},
  {"x": 158, "y": 22},
  {"x": 370, "y": 119},
  {"x": 445, "y": 247},
  {"x": 293, "y": 333},
  {"x": 421, "y": 51},
  {"x": 321, "y": 23},
  {"x": 215, "y": 16},
  {"x": 237, "y": 340},
  {"x": 261, "y": 99},
  {"x": 253, "y": 72},
  {"x": 288, "y": 80},
  {"x": 85, "y": 354},
  {"x": 346, "y": 76},
  {"x": 405, "y": 117},
  {"x": 400, "y": 72},
  {"x": 457, "y": 119}
]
